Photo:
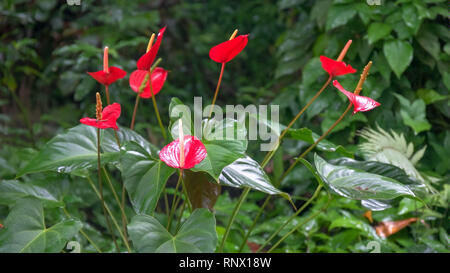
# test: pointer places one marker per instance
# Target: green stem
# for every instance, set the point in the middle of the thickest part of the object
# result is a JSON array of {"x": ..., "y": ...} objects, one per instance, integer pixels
[
  {"x": 186, "y": 196},
  {"x": 110, "y": 213},
  {"x": 100, "y": 187},
  {"x": 217, "y": 89},
  {"x": 136, "y": 104},
  {"x": 271, "y": 153},
  {"x": 83, "y": 233},
  {"x": 316, "y": 193},
  {"x": 299, "y": 225},
  {"x": 180, "y": 216},
  {"x": 119, "y": 203},
  {"x": 155, "y": 106},
  {"x": 173, "y": 202},
  {"x": 233, "y": 216},
  {"x": 317, "y": 142},
  {"x": 166, "y": 201}
]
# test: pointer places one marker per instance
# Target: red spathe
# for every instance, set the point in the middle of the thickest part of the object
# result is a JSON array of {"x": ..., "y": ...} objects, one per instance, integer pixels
[
  {"x": 226, "y": 51},
  {"x": 360, "y": 103},
  {"x": 194, "y": 152},
  {"x": 110, "y": 114},
  {"x": 159, "y": 76}
]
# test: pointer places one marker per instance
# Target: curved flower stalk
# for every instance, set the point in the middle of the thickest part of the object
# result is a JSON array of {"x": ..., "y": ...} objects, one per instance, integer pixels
[
  {"x": 225, "y": 52},
  {"x": 108, "y": 75}
]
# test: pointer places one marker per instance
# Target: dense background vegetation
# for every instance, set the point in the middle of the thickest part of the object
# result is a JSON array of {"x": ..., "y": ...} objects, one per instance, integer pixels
[{"x": 47, "y": 46}]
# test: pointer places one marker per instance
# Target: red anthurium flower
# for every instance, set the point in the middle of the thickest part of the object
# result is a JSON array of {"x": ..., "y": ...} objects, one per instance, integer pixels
[
  {"x": 336, "y": 68},
  {"x": 159, "y": 76},
  {"x": 360, "y": 103},
  {"x": 194, "y": 153},
  {"x": 107, "y": 118},
  {"x": 109, "y": 74},
  {"x": 145, "y": 62},
  {"x": 226, "y": 51}
]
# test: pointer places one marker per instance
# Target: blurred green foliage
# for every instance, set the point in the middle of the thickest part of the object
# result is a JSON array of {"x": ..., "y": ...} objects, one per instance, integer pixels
[{"x": 47, "y": 46}]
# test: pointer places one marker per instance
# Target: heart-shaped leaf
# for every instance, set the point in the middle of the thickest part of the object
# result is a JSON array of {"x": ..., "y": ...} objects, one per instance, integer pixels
[
  {"x": 357, "y": 184},
  {"x": 25, "y": 230},
  {"x": 76, "y": 150},
  {"x": 224, "y": 142},
  {"x": 399, "y": 55},
  {"x": 197, "y": 234},
  {"x": 144, "y": 177}
]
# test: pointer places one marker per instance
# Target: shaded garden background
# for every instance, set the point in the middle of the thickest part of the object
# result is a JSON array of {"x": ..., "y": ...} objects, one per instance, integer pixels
[{"x": 47, "y": 46}]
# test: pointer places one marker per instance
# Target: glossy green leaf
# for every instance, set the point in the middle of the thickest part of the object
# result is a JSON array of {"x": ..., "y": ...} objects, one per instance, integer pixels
[
  {"x": 202, "y": 192},
  {"x": 339, "y": 15},
  {"x": 246, "y": 172},
  {"x": 410, "y": 17},
  {"x": 310, "y": 137},
  {"x": 399, "y": 55},
  {"x": 222, "y": 145},
  {"x": 357, "y": 184},
  {"x": 12, "y": 190},
  {"x": 25, "y": 230},
  {"x": 76, "y": 150},
  {"x": 378, "y": 31},
  {"x": 376, "y": 205},
  {"x": 197, "y": 234},
  {"x": 144, "y": 177}
]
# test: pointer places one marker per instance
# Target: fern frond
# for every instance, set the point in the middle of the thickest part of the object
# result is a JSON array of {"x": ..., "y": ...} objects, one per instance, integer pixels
[{"x": 391, "y": 149}]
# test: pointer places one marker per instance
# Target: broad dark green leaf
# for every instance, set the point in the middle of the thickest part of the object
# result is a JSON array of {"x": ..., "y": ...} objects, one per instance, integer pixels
[
  {"x": 12, "y": 190},
  {"x": 399, "y": 55},
  {"x": 310, "y": 137},
  {"x": 202, "y": 192},
  {"x": 197, "y": 234},
  {"x": 144, "y": 177},
  {"x": 378, "y": 31},
  {"x": 222, "y": 145},
  {"x": 25, "y": 230},
  {"x": 76, "y": 150},
  {"x": 410, "y": 17},
  {"x": 246, "y": 172},
  {"x": 357, "y": 184},
  {"x": 339, "y": 15}
]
